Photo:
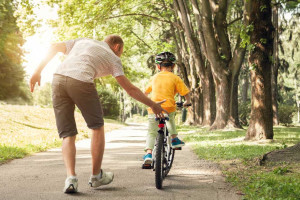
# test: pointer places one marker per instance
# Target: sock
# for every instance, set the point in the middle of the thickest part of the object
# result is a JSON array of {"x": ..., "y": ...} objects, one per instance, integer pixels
[
  {"x": 99, "y": 176},
  {"x": 73, "y": 177}
]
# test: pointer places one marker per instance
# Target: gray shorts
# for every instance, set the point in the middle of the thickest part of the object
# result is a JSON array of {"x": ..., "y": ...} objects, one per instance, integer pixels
[{"x": 68, "y": 92}]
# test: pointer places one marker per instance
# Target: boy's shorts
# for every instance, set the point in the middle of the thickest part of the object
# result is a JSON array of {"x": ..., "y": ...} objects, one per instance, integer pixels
[
  {"x": 153, "y": 128},
  {"x": 68, "y": 92}
]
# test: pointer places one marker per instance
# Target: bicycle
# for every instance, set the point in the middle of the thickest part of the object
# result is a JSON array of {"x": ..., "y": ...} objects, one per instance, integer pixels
[{"x": 163, "y": 151}]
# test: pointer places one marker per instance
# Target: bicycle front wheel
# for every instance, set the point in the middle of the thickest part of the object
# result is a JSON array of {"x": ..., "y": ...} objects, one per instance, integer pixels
[{"x": 159, "y": 161}]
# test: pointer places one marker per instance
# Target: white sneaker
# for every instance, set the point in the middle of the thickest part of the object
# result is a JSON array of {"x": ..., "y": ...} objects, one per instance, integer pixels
[
  {"x": 106, "y": 178},
  {"x": 71, "y": 185}
]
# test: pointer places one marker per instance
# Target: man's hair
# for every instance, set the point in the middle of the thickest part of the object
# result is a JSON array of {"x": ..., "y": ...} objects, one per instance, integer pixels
[{"x": 112, "y": 40}]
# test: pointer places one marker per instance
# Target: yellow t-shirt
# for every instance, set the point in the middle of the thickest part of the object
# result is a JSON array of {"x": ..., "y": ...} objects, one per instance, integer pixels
[{"x": 164, "y": 86}]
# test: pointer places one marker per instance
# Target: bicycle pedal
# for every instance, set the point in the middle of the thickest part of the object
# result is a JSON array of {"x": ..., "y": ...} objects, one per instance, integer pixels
[
  {"x": 146, "y": 166},
  {"x": 178, "y": 148}
]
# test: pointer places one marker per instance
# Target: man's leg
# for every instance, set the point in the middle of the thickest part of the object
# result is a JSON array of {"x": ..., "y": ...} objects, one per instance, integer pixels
[
  {"x": 98, "y": 177},
  {"x": 69, "y": 154},
  {"x": 97, "y": 149}
]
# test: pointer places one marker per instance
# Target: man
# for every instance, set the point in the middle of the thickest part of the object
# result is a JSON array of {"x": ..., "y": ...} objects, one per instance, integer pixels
[{"x": 73, "y": 84}]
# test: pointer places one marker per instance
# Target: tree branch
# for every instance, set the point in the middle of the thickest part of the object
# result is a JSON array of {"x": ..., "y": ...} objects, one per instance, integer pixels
[
  {"x": 140, "y": 39},
  {"x": 235, "y": 20},
  {"x": 137, "y": 14},
  {"x": 144, "y": 15}
]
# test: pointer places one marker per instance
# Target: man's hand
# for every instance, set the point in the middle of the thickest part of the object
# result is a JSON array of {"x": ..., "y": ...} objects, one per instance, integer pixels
[
  {"x": 35, "y": 78},
  {"x": 158, "y": 110}
]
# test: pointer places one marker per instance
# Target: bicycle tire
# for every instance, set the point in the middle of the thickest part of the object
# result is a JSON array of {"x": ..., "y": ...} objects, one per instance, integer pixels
[
  {"x": 170, "y": 161},
  {"x": 159, "y": 161}
]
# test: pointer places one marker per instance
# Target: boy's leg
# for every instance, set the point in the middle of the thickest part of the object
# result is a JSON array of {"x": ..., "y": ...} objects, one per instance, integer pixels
[
  {"x": 69, "y": 153},
  {"x": 176, "y": 142},
  {"x": 150, "y": 139},
  {"x": 97, "y": 149},
  {"x": 171, "y": 125},
  {"x": 152, "y": 133}
]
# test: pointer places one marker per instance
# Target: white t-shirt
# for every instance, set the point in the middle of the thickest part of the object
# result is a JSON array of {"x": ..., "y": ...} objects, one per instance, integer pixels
[{"x": 88, "y": 59}]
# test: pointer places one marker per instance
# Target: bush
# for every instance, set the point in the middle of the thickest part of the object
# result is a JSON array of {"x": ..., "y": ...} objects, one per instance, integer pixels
[
  {"x": 285, "y": 114},
  {"x": 109, "y": 102},
  {"x": 244, "y": 113}
]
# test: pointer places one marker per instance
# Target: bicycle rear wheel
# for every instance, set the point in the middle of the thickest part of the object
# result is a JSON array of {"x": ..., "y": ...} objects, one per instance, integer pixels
[
  {"x": 159, "y": 160},
  {"x": 170, "y": 159}
]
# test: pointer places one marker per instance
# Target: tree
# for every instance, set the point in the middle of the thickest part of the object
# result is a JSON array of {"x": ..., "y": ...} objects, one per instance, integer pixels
[
  {"x": 225, "y": 63},
  {"x": 261, "y": 118},
  {"x": 11, "y": 71}
]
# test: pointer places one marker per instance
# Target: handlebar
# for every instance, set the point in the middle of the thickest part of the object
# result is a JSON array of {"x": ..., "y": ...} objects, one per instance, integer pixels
[{"x": 180, "y": 104}]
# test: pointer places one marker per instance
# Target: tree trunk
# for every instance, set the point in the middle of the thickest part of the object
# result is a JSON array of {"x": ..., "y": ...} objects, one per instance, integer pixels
[
  {"x": 245, "y": 86},
  {"x": 209, "y": 98},
  {"x": 275, "y": 66},
  {"x": 261, "y": 123},
  {"x": 207, "y": 82},
  {"x": 222, "y": 61},
  {"x": 222, "y": 102},
  {"x": 199, "y": 113},
  {"x": 234, "y": 121},
  {"x": 122, "y": 110},
  {"x": 290, "y": 154},
  {"x": 235, "y": 66}
]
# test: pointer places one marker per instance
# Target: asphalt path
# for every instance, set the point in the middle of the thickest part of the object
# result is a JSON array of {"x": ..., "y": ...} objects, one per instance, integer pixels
[{"x": 42, "y": 175}]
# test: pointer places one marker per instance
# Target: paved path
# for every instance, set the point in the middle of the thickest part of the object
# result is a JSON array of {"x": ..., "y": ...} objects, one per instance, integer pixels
[{"x": 42, "y": 175}]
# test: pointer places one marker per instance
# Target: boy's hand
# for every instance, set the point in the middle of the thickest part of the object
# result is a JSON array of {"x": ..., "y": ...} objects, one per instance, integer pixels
[
  {"x": 158, "y": 110},
  {"x": 35, "y": 78}
]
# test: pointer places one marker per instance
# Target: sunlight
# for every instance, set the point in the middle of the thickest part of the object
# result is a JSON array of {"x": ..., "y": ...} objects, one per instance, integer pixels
[{"x": 36, "y": 46}]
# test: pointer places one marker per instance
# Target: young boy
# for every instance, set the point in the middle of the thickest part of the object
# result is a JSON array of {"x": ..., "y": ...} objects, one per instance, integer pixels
[{"x": 164, "y": 86}]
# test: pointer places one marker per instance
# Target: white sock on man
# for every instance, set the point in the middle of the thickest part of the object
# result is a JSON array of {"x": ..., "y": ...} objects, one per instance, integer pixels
[{"x": 99, "y": 176}]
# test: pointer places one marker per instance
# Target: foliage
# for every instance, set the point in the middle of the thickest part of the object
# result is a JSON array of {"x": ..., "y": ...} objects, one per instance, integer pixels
[
  {"x": 26, "y": 19},
  {"x": 42, "y": 95},
  {"x": 11, "y": 71},
  {"x": 286, "y": 113},
  {"x": 289, "y": 58},
  {"x": 244, "y": 113},
  {"x": 109, "y": 102}
]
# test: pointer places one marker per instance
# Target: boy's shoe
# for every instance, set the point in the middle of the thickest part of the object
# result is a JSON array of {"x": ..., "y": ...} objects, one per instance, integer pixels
[
  {"x": 71, "y": 185},
  {"x": 148, "y": 159},
  {"x": 176, "y": 143},
  {"x": 103, "y": 179}
]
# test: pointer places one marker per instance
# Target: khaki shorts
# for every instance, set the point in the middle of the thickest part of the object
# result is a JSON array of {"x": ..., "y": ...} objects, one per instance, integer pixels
[
  {"x": 68, "y": 92},
  {"x": 153, "y": 128}
]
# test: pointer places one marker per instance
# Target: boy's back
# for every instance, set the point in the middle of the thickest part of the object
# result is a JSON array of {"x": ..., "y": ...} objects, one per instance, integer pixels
[{"x": 164, "y": 86}]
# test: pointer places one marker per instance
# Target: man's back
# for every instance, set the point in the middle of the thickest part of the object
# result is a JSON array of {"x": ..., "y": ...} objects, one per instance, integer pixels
[{"x": 88, "y": 59}]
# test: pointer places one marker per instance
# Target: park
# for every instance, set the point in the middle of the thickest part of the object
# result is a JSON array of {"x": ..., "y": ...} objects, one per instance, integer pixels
[{"x": 236, "y": 67}]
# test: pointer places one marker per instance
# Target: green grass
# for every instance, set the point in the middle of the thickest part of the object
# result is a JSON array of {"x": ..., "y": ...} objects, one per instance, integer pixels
[
  {"x": 239, "y": 160},
  {"x": 27, "y": 129}
]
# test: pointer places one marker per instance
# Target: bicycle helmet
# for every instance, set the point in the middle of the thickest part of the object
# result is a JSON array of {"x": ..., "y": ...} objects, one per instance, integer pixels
[{"x": 165, "y": 58}]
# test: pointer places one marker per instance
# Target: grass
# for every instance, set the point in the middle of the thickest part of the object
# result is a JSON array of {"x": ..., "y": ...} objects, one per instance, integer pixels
[
  {"x": 27, "y": 129},
  {"x": 239, "y": 160}
]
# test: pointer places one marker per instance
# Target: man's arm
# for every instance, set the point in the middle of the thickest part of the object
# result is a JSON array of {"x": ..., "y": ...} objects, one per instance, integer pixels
[
  {"x": 36, "y": 77},
  {"x": 137, "y": 94}
]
